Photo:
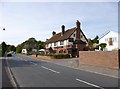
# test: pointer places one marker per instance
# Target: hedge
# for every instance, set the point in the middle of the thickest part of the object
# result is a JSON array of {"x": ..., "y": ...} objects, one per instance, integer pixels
[{"x": 58, "y": 56}]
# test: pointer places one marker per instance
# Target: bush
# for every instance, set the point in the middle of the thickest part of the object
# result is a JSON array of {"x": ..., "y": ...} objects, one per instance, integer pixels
[{"x": 59, "y": 56}]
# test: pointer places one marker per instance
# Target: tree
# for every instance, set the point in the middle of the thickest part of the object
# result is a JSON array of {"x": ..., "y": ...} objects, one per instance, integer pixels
[
  {"x": 11, "y": 48},
  {"x": 19, "y": 48},
  {"x": 30, "y": 44},
  {"x": 102, "y": 45},
  {"x": 92, "y": 43},
  {"x": 40, "y": 45},
  {"x": 4, "y": 46},
  {"x": 95, "y": 40}
]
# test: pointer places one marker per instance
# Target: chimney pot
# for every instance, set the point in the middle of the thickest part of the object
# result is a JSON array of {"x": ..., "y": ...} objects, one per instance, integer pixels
[
  {"x": 78, "y": 24},
  {"x": 53, "y": 33}
]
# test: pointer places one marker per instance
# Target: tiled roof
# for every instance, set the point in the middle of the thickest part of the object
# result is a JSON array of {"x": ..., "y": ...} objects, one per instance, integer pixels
[
  {"x": 58, "y": 37},
  {"x": 67, "y": 34}
]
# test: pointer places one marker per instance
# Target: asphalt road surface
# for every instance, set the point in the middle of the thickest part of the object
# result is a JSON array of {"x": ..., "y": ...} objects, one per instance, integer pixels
[
  {"x": 30, "y": 72},
  {"x": 5, "y": 81},
  {"x": 0, "y": 72}
]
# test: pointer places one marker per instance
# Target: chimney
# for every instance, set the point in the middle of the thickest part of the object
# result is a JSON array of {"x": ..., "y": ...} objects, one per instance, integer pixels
[
  {"x": 53, "y": 33},
  {"x": 78, "y": 36},
  {"x": 63, "y": 30},
  {"x": 78, "y": 24}
]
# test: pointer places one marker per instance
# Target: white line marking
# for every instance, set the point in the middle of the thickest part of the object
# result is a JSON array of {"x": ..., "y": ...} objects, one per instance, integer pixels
[
  {"x": 34, "y": 63},
  {"x": 89, "y": 83},
  {"x": 50, "y": 69}
]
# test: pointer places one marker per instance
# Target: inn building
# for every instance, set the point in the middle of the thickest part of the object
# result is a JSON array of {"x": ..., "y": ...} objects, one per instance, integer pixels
[{"x": 69, "y": 41}]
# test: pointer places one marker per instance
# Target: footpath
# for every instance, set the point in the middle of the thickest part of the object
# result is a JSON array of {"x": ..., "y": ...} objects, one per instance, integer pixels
[{"x": 74, "y": 63}]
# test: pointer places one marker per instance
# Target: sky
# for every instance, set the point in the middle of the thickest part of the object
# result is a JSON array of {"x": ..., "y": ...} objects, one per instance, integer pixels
[{"x": 23, "y": 19}]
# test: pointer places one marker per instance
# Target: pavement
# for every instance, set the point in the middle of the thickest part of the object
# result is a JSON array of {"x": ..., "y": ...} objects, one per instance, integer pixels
[{"x": 74, "y": 63}]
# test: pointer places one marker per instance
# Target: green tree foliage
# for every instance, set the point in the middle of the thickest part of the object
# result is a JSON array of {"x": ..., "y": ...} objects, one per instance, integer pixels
[
  {"x": 30, "y": 44},
  {"x": 11, "y": 48},
  {"x": 92, "y": 43},
  {"x": 19, "y": 48},
  {"x": 40, "y": 45},
  {"x": 95, "y": 40},
  {"x": 4, "y": 47},
  {"x": 102, "y": 45}
]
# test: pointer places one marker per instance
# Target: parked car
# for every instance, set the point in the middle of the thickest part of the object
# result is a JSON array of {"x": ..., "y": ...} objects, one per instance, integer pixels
[{"x": 9, "y": 55}]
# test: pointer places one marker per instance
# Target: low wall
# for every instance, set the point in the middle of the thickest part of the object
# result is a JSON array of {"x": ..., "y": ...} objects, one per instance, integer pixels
[{"x": 107, "y": 59}]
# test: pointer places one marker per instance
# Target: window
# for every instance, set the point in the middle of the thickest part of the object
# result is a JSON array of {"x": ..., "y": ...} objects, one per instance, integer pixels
[
  {"x": 55, "y": 44},
  {"x": 51, "y": 45},
  {"x": 61, "y": 42},
  {"x": 71, "y": 39},
  {"x": 81, "y": 36},
  {"x": 105, "y": 39},
  {"x": 74, "y": 35},
  {"x": 110, "y": 41}
]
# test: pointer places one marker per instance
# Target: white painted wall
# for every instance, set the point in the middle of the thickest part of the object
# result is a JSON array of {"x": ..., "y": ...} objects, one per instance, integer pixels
[
  {"x": 24, "y": 51},
  {"x": 105, "y": 39}
]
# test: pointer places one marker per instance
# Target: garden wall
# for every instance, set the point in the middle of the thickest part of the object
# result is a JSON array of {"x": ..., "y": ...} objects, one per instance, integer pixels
[{"x": 107, "y": 59}]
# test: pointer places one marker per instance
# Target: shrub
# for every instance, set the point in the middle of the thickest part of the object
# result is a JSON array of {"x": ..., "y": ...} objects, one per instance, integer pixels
[{"x": 59, "y": 56}]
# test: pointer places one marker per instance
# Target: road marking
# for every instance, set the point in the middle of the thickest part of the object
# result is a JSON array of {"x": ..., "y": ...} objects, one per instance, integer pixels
[
  {"x": 89, "y": 83},
  {"x": 33, "y": 63},
  {"x": 50, "y": 69}
]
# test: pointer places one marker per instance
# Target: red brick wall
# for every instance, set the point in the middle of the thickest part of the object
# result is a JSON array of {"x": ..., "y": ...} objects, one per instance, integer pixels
[{"x": 107, "y": 59}]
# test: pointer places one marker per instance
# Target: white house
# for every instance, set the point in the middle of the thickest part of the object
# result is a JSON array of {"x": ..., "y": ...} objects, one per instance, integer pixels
[
  {"x": 24, "y": 51},
  {"x": 111, "y": 39},
  {"x": 68, "y": 41}
]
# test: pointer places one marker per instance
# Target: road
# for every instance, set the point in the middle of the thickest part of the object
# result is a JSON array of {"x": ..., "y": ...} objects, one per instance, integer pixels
[
  {"x": 0, "y": 72},
  {"x": 5, "y": 80},
  {"x": 30, "y": 72}
]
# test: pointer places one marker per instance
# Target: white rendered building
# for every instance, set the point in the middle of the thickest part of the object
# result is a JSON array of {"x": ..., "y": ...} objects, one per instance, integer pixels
[{"x": 111, "y": 39}]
